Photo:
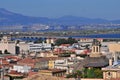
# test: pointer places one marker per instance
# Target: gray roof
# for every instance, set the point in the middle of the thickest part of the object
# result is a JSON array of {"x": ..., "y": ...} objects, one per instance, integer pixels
[
  {"x": 91, "y": 62},
  {"x": 96, "y": 61}
]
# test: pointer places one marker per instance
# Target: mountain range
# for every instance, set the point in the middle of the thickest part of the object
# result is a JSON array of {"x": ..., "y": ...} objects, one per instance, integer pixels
[{"x": 11, "y": 18}]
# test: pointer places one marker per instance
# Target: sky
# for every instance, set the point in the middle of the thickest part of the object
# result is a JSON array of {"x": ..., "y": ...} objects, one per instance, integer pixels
[{"x": 106, "y": 9}]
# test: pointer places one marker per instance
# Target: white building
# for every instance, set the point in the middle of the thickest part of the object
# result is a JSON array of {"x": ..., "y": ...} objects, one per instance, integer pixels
[
  {"x": 62, "y": 64},
  {"x": 7, "y": 44},
  {"x": 39, "y": 47},
  {"x": 23, "y": 47},
  {"x": 21, "y": 68},
  {"x": 65, "y": 63},
  {"x": 33, "y": 47}
]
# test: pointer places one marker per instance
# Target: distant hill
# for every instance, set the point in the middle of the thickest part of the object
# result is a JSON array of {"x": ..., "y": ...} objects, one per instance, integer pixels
[
  {"x": 79, "y": 20},
  {"x": 8, "y": 18}
]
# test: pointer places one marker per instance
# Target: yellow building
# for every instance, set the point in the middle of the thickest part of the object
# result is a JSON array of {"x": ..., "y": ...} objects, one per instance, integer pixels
[
  {"x": 51, "y": 62},
  {"x": 114, "y": 47},
  {"x": 111, "y": 72}
]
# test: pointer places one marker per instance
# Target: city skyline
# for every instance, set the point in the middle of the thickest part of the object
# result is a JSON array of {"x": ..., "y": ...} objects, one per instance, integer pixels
[{"x": 106, "y": 9}]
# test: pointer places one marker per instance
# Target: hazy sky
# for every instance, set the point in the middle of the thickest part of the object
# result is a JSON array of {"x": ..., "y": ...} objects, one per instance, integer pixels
[{"x": 108, "y": 9}]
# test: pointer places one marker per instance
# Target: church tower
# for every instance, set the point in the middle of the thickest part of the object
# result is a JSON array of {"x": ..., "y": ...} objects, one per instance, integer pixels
[{"x": 96, "y": 49}]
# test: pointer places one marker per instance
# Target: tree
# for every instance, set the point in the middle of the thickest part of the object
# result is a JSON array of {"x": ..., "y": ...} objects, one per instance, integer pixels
[
  {"x": 61, "y": 41},
  {"x": 70, "y": 40},
  {"x": 76, "y": 74},
  {"x": 40, "y": 40},
  {"x": 92, "y": 73},
  {"x": 98, "y": 73}
]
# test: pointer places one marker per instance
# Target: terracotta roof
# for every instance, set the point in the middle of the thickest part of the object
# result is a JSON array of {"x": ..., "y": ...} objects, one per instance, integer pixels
[
  {"x": 4, "y": 63},
  {"x": 32, "y": 73},
  {"x": 14, "y": 73},
  {"x": 31, "y": 61},
  {"x": 27, "y": 60},
  {"x": 52, "y": 70},
  {"x": 15, "y": 58},
  {"x": 45, "y": 77},
  {"x": 113, "y": 79}
]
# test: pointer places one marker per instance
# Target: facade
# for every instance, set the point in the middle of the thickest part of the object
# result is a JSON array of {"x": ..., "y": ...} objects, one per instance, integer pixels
[
  {"x": 114, "y": 47},
  {"x": 46, "y": 54},
  {"x": 42, "y": 63},
  {"x": 39, "y": 63},
  {"x": 21, "y": 68},
  {"x": 86, "y": 40},
  {"x": 39, "y": 47},
  {"x": 51, "y": 63},
  {"x": 7, "y": 44},
  {"x": 50, "y": 40},
  {"x": 113, "y": 70},
  {"x": 33, "y": 47},
  {"x": 64, "y": 63},
  {"x": 23, "y": 47}
]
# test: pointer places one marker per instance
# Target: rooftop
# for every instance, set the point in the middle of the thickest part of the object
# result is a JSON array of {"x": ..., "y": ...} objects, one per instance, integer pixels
[{"x": 53, "y": 70}]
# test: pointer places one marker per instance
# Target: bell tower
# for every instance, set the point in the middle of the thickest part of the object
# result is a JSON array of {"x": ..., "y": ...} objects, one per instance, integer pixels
[{"x": 96, "y": 51}]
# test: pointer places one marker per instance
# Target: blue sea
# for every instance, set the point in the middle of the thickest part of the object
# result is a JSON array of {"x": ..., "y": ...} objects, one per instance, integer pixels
[
  {"x": 98, "y": 36},
  {"x": 112, "y": 36}
]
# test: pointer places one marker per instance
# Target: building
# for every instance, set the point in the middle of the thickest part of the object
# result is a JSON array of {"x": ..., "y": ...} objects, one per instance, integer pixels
[
  {"x": 21, "y": 68},
  {"x": 113, "y": 70},
  {"x": 39, "y": 63},
  {"x": 53, "y": 72},
  {"x": 23, "y": 47},
  {"x": 114, "y": 47},
  {"x": 46, "y": 54},
  {"x": 33, "y": 47},
  {"x": 65, "y": 63},
  {"x": 39, "y": 47},
  {"x": 94, "y": 60},
  {"x": 50, "y": 40},
  {"x": 7, "y": 44},
  {"x": 51, "y": 63},
  {"x": 40, "y": 76}
]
